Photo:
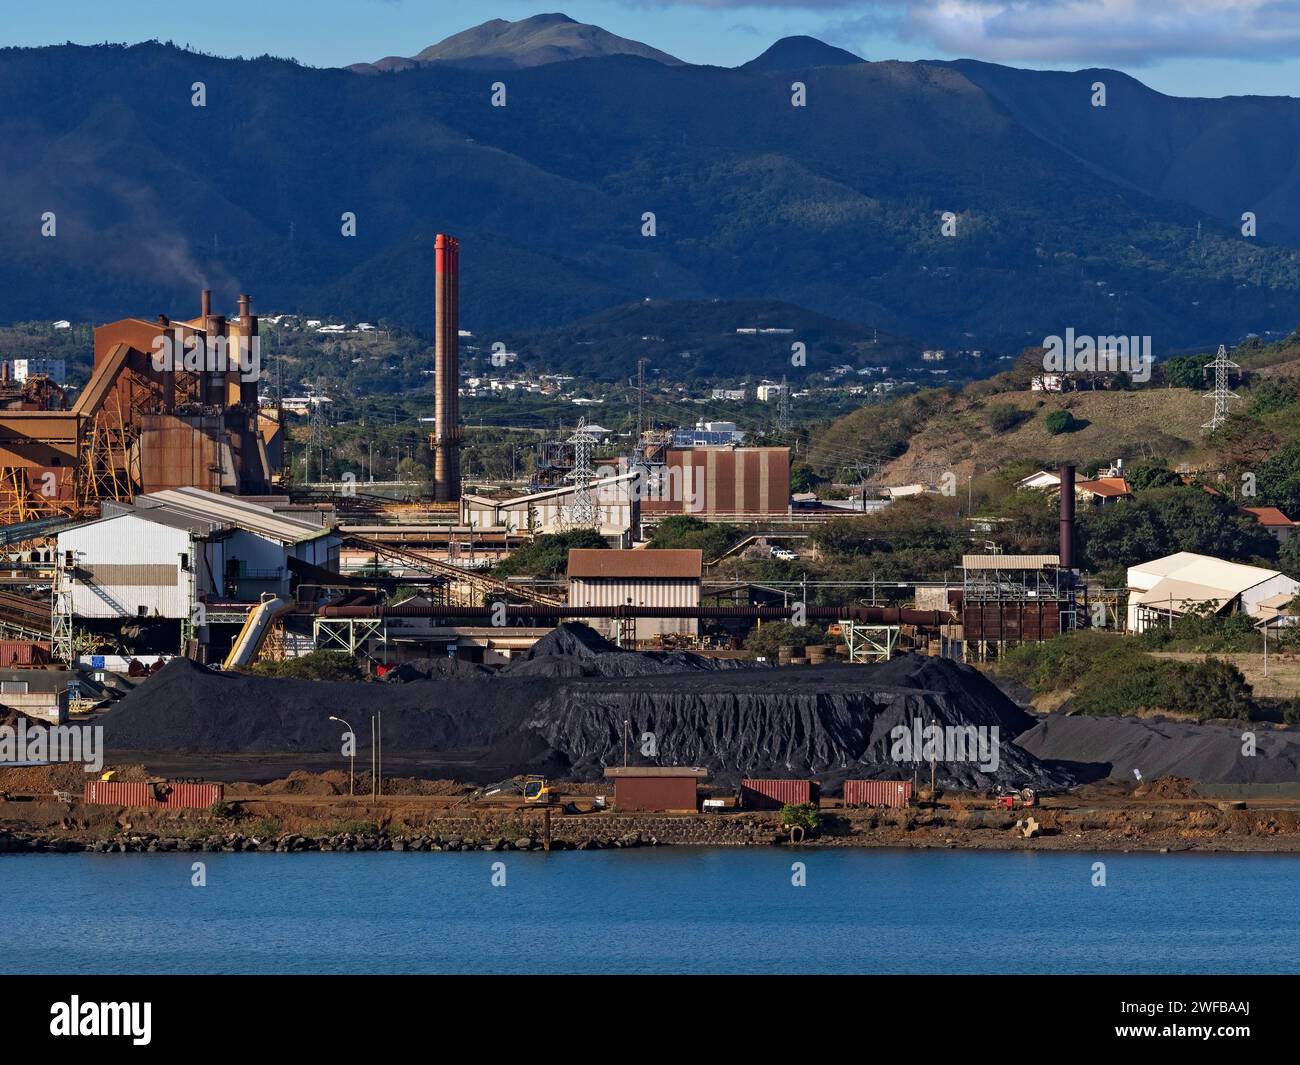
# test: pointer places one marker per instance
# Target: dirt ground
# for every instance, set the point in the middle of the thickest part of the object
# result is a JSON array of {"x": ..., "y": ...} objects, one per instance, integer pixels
[
  {"x": 1283, "y": 678},
  {"x": 1161, "y": 815}
]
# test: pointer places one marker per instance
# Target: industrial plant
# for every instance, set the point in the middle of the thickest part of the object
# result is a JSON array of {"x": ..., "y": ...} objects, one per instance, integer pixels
[{"x": 152, "y": 517}]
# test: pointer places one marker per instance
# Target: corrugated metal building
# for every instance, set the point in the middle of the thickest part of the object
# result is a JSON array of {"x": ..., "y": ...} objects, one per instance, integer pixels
[
  {"x": 722, "y": 481},
  {"x": 659, "y": 789},
  {"x": 644, "y": 577},
  {"x": 1180, "y": 583},
  {"x": 615, "y": 499},
  {"x": 156, "y": 557}
]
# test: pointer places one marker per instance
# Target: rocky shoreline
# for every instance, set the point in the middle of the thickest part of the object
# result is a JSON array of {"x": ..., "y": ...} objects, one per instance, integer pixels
[{"x": 1242, "y": 832}]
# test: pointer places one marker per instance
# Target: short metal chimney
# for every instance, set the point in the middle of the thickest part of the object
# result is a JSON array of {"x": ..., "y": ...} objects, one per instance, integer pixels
[{"x": 1067, "y": 517}]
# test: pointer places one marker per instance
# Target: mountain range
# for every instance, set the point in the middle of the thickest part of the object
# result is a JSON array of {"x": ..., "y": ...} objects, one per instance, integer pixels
[{"x": 1122, "y": 219}]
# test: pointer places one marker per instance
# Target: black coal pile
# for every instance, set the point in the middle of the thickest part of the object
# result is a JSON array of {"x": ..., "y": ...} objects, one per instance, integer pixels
[
  {"x": 188, "y": 709},
  {"x": 576, "y": 650},
  {"x": 832, "y": 722},
  {"x": 828, "y": 722},
  {"x": 1158, "y": 747},
  {"x": 433, "y": 668}
]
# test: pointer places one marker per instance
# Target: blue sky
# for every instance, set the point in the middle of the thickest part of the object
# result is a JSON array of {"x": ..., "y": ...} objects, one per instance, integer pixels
[{"x": 1181, "y": 47}]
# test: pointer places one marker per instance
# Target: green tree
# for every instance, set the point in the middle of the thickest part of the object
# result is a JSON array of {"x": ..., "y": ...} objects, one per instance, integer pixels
[
  {"x": 1163, "y": 521},
  {"x": 547, "y": 555},
  {"x": 805, "y": 479},
  {"x": 1185, "y": 371},
  {"x": 801, "y": 815},
  {"x": 319, "y": 665},
  {"x": 1060, "y": 421},
  {"x": 1151, "y": 473},
  {"x": 1288, "y": 557},
  {"x": 684, "y": 531},
  {"x": 1273, "y": 394},
  {"x": 1277, "y": 481}
]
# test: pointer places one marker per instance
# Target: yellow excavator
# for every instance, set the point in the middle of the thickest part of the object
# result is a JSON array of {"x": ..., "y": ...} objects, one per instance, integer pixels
[
  {"x": 537, "y": 792},
  {"x": 534, "y": 790}
]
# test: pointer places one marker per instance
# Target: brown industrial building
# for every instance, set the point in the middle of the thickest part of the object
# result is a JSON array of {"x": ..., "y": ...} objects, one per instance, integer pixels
[
  {"x": 722, "y": 481},
  {"x": 656, "y": 789},
  {"x": 646, "y": 577},
  {"x": 167, "y": 406}
]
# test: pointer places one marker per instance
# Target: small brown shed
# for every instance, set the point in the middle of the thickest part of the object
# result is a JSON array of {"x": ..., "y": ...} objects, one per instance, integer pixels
[{"x": 656, "y": 788}]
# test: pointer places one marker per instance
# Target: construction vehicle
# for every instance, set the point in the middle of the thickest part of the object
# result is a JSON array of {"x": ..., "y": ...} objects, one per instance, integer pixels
[
  {"x": 534, "y": 790},
  {"x": 1014, "y": 798},
  {"x": 537, "y": 792}
]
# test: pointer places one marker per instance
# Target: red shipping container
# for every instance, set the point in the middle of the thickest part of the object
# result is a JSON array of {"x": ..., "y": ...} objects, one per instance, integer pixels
[
  {"x": 21, "y": 653},
  {"x": 120, "y": 793},
  {"x": 141, "y": 793},
  {"x": 772, "y": 794},
  {"x": 191, "y": 796},
  {"x": 894, "y": 793}
]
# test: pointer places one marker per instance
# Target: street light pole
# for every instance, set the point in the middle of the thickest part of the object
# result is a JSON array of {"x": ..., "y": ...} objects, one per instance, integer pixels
[{"x": 352, "y": 765}]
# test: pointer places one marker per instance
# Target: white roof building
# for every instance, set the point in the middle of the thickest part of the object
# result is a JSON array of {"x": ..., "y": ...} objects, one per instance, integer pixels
[
  {"x": 159, "y": 555},
  {"x": 1042, "y": 480},
  {"x": 552, "y": 510},
  {"x": 1178, "y": 584}
]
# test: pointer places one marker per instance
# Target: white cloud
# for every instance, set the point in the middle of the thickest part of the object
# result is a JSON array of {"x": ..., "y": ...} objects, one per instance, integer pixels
[
  {"x": 1111, "y": 31},
  {"x": 1131, "y": 32}
]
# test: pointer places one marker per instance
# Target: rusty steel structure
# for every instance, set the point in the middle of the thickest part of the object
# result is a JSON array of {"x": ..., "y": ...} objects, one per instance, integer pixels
[
  {"x": 1014, "y": 599},
  {"x": 169, "y": 404},
  {"x": 444, "y": 441}
]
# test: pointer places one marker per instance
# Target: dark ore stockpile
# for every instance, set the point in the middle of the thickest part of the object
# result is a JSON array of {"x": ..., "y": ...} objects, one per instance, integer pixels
[
  {"x": 561, "y": 709},
  {"x": 1157, "y": 748}
]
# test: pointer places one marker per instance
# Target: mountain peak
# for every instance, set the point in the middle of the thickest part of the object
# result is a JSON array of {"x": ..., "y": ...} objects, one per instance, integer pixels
[
  {"x": 799, "y": 53},
  {"x": 529, "y": 42}
]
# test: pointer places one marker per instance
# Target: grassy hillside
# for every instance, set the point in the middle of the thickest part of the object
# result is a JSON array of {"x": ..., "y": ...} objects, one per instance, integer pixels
[{"x": 1000, "y": 425}]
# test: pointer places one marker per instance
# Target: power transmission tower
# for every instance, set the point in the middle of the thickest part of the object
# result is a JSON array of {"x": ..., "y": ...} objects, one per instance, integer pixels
[
  {"x": 640, "y": 401},
  {"x": 317, "y": 436},
  {"x": 1221, "y": 394},
  {"x": 864, "y": 470},
  {"x": 783, "y": 408},
  {"x": 582, "y": 514}
]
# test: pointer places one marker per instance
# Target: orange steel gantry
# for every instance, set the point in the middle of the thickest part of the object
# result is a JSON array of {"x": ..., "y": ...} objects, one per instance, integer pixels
[{"x": 143, "y": 423}]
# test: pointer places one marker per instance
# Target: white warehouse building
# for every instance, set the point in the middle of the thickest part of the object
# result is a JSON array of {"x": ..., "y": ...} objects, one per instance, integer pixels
[
  {"x": 166, "y": 551},
  {"x": 1182, "y": 583}
]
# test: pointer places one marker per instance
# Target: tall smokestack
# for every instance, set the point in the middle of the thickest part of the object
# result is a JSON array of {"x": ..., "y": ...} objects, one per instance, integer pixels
[
  {"x": 214, "y": 380},
  {"x": 446, "y": 366},
  {"x": 1067, "y": 517},
  {"x": 205, "y": 305},
  {"x": 247, "y": 336}
]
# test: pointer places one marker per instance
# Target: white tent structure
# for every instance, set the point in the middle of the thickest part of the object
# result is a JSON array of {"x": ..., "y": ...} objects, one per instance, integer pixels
[{"x": 1181, "y": 583}]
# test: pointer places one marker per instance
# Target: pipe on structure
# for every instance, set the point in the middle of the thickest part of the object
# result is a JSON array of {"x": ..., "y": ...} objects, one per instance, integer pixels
[
  {"x": 867, "y": 615},
  {"x": 1067, "y": 518},
  {"x": 169, "y": 372},
  {"x": 446, "y": 366}
]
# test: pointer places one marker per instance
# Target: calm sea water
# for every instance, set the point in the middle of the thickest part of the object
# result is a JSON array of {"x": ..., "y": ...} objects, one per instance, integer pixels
[{"x": 657, "y": 911}]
